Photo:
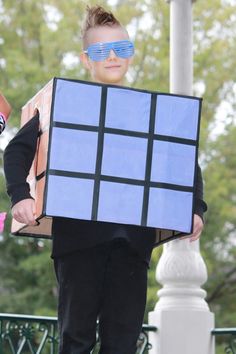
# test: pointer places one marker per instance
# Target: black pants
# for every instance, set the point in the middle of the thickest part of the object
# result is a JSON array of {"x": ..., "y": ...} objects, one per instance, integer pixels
[{"x": 107, "y": 282}]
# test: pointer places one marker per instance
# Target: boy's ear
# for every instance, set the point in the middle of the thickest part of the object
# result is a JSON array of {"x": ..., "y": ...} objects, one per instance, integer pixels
[{"x": 84, "y": 59}]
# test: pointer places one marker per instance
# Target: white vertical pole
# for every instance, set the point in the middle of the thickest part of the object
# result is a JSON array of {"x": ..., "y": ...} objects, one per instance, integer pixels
[
  {"x": 181, "y": 314},
  {"x": 181, "y": 55}
]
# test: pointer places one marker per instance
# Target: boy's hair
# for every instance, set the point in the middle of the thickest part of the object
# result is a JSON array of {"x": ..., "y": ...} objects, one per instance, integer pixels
[{"x": 97, "y": 16}]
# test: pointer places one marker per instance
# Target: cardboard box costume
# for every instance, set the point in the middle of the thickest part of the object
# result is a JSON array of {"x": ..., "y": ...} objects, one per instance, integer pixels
[{"x": 114, "y": 154}]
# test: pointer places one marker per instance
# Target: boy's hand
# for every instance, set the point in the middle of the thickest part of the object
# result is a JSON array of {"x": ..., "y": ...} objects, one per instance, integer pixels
[
  {"x": 24, "y": 211},
  {"x": 197, "y": 229}
]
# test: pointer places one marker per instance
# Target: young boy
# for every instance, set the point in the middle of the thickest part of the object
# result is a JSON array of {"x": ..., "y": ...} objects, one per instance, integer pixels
[
  {"x": 5, "y": 110},
  {"x": 101, "y": 268}
]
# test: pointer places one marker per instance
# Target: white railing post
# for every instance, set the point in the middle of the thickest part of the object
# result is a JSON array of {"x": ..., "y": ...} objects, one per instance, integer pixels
[{"x": 181, "y": 314}]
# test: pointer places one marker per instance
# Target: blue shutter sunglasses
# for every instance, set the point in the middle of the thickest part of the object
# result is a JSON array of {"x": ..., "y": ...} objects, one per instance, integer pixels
[{"x": 101, "y": 51}]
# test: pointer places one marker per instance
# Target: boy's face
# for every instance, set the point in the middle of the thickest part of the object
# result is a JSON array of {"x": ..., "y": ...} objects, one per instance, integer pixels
[{"x": 113, "y": 69}]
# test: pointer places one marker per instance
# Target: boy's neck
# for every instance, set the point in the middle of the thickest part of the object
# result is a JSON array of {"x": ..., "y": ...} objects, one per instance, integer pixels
[{"x": 121, "y": 83}]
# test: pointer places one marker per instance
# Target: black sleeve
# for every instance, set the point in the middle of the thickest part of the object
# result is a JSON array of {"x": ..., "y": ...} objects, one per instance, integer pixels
[
  {"x": 18, "y": 157},
  {"x": 200, "y": 206}
]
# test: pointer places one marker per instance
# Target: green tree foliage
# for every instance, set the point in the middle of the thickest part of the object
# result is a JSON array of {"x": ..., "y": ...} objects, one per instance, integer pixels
[
  {"x": 41, "y": 39},
  {"x": 215, "y": 43}
]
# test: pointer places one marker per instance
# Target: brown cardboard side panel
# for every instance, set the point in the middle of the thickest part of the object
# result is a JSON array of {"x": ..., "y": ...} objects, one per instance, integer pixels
[
  {"x": 45, "y": 223},
  {"x": 45, "y": 106},
  {"x": 42, "y": 101},
  {"x": 41, "y": 157},
  {"x": 16, "y": 226},
  {"x": 43, "y": 230},
  {"x": 39, "y": 196}
]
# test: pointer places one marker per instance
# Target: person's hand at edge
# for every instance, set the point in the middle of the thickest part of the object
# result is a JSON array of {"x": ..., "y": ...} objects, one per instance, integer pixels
[
  {"x": 197, "y": 229},
  {"x": 25, "y": 211}
]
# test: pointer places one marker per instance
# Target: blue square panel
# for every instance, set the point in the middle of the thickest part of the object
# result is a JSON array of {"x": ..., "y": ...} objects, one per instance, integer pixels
[
  {"x": 77, "y": 103},
  {"x": 173, "y": 163},
  {"x": 124, "y": 156},
  {"x": 177, "y": 116},
  {"x": 128, "y": 110},
  {"x": 73, "y": 150},
  {"x": 69, "y": 197},
  {"x": 169, "y": 209},
  {"x": 120, "y": 203}
]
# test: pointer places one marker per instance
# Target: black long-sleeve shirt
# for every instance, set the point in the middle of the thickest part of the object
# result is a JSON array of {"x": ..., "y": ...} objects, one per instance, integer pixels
[{"x": 70, "y": 235}]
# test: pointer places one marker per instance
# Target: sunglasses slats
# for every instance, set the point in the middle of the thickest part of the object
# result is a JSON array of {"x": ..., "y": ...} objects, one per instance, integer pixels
[{"x": 101, "y": 51}]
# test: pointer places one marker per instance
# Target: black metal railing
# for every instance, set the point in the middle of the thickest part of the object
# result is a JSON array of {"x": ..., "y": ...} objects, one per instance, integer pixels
[
  {"x": 28, "y": 334},
  {"x": 227, "y": 338},
  {"x": 22, "y": 334}
]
